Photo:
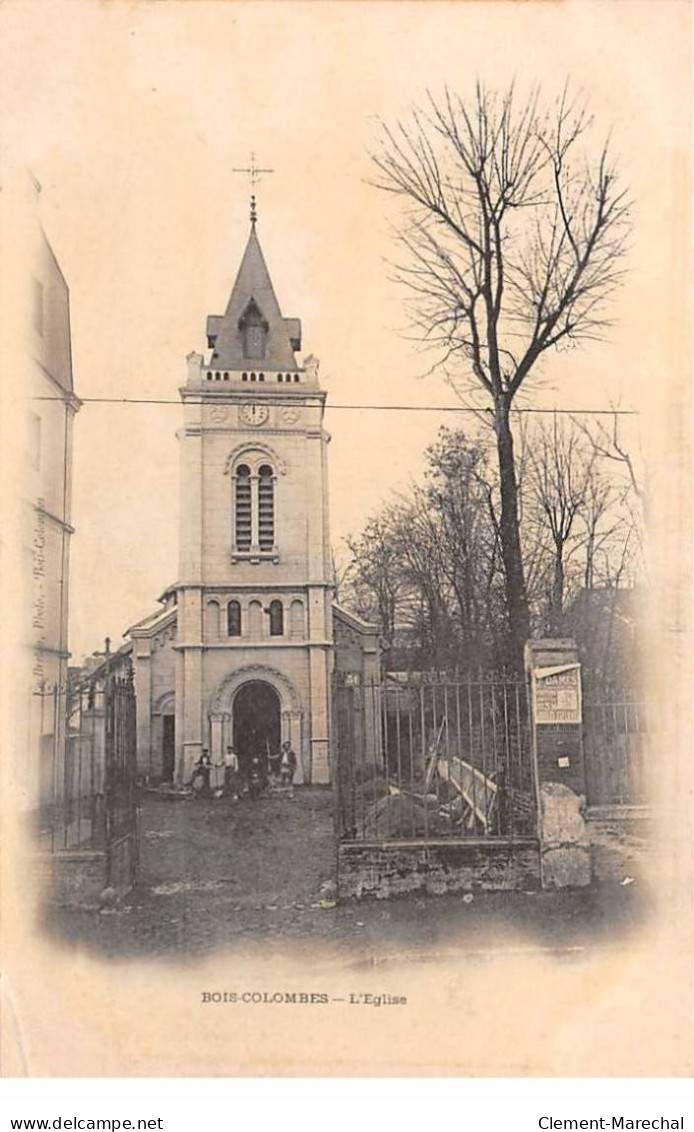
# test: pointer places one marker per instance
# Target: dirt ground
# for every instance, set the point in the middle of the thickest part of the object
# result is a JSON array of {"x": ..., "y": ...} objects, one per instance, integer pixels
[{"x": 257, "y": 874}]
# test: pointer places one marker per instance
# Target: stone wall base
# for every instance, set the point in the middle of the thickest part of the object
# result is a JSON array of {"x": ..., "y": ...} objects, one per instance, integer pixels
[
  {"x": 394, "y": 868},
  {"x": 82, "y": 878},
  {"x": 566, "y": 866}
]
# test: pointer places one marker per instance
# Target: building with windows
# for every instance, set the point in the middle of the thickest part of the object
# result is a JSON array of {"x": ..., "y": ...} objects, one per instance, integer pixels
[
  {"x": 51, "y": 410},
  {"x": 243, "y": 646}
]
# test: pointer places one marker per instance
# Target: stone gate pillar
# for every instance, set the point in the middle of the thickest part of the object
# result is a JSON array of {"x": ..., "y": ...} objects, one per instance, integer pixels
[{"x": 554, "y": 677}]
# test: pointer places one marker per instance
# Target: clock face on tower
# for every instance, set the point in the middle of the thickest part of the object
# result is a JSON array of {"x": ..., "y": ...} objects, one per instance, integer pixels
[{"x": 254, "y": 414}]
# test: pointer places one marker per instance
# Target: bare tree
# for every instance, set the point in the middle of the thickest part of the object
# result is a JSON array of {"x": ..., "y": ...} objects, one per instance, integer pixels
[
  {"x": 340, "y": 573},
  {"x": 459, "y": 495},
  {"x": 603, "y": 524},
  {"x": 429, "y": 565},
  {"x": 607, "y": 443},
  {"x": 561, "y": 472},
  {"x": 628, "y": 485},
  {"x": 514, "y": 237},
  {"x": 423, "y": 559},
  {"x": 374, "y": 577}
]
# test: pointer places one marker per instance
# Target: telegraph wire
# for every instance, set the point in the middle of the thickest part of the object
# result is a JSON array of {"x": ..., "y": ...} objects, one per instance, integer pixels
[{"x": 370, "y": 408}]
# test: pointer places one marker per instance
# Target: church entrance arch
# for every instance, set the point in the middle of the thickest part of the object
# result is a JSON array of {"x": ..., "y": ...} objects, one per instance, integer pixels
[
  {"x": 258, "y": 698},
  {"x": 256, "y": 721}
]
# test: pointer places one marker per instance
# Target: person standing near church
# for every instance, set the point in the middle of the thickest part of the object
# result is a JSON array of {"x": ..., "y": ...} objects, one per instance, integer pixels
[
  {"x": 274, "y": 760},
  {"x": 288, "y": 767},
  {"x": 200, "y": 781},
  {"x": 231, "y": 774}
]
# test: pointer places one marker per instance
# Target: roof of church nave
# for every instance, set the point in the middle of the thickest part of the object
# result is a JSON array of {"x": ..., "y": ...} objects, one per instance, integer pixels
[
  {"x": 353, "y": 619},
  {"x": 152, "y": 623},
  {"x": 253, "y": 298}
]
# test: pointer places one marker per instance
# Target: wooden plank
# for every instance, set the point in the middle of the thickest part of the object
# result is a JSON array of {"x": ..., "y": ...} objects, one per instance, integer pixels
[
  {"x": 473, "y": 786},
  {"x": 432, "y": 756}
]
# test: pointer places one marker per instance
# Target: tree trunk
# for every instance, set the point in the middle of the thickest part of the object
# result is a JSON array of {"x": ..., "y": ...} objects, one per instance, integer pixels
[
  {"x": 590, "y": 555},
  {"x": 557, "y": 600},
  {"x": 509, "y": 529}
]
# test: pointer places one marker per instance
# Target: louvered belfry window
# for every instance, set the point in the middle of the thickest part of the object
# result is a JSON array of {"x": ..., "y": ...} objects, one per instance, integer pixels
[
  {"x": 244, "y": 516},
  {"x": 266, "y": 508},
  {"x": 254, "y": 510}
]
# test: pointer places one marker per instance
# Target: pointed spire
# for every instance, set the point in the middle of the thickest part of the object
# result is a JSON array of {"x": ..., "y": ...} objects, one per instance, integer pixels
[{"x": 252, "y": 332}]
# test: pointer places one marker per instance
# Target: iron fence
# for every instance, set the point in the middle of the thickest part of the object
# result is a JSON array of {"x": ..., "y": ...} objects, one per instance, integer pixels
[
  {"x": 71, "y": 774},
  {"x": 87, "y": 761},
  {"x": 615, "y": 745},
  {"x": 432, "y": 755}
]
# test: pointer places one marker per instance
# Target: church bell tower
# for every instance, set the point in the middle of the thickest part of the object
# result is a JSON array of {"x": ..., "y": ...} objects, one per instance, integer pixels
[{"x": 254, "y": 640}]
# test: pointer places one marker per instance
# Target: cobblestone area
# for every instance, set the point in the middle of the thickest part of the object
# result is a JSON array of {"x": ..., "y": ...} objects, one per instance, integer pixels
[{"x": 257, "y": 875}]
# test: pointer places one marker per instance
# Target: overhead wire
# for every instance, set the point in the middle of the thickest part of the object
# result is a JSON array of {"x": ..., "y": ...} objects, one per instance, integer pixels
[{"x": 372, "y": 408}]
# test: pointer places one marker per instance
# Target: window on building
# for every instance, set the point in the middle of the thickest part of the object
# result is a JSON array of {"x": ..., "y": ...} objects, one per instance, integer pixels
[
  {"x": 276, "y": 619},
  {"x": 234, "y": 619},
  {"x": 266, "y": 508},
  {"x": 254, "y": 509},
  {"x": 243, "y": 504}
]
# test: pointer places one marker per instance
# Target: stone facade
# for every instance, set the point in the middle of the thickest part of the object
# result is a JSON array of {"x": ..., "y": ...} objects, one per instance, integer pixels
[
  {"x": 242, "y": 651},
  {"x": 48, "y": 525}
]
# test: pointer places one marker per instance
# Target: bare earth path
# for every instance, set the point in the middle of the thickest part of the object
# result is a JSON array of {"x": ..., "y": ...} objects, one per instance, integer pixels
[{"x": 250, "y": 877}]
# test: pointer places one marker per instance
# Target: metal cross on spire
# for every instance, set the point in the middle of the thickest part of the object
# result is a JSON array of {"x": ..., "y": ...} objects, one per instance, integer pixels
[{"x": 253, "y": 172}]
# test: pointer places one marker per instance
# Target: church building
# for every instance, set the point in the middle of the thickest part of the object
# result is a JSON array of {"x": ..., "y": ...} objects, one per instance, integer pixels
[{"x": 243, "y": 648}]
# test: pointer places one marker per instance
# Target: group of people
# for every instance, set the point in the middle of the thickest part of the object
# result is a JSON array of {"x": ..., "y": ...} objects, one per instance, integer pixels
[{"x": 240, "y": 776}]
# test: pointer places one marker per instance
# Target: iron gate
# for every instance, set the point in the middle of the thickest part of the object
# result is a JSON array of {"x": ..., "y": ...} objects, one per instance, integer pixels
[
  {"x": 86, "y": 789},
  {"x": 615, "y": 744},
  {"x": 430, "y": 755}
]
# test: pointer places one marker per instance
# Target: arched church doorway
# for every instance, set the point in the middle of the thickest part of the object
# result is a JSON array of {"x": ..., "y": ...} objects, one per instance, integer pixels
[
  {"x": 256, "y": 721},
  {"x": 168, "y": 747}
]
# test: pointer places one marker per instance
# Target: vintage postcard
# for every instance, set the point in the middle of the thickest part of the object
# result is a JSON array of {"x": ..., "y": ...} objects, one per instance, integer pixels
[{"x": 346, "y": 539}]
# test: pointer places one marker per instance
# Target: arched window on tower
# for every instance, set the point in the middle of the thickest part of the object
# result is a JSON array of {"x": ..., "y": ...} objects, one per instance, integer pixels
[
  {"x": 212, "y": 617},
  {"x": 276, "y": 619},
  {"x": 243, "y": 508},
  {"x": 234, "y": 619},
  {"x": 266, "y": 507},
  {"x": 253, "y": 519}
]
